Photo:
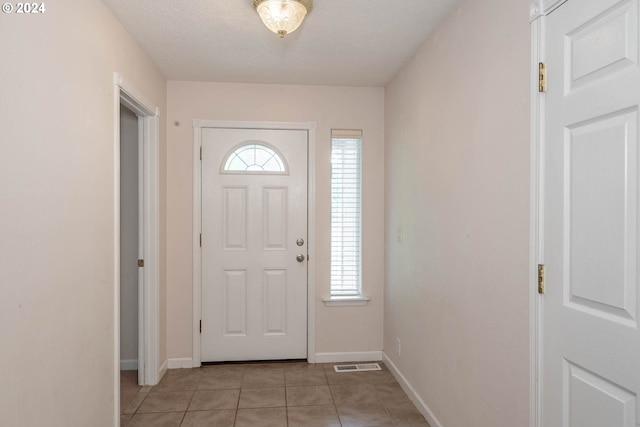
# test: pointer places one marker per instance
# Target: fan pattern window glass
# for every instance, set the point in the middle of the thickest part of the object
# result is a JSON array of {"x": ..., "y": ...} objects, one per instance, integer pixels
[{"x": 254, "y": 158}]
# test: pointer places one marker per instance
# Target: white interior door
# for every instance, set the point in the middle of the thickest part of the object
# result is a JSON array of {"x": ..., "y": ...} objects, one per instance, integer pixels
[
  {"x": 254, "y": 244},
  {"x": 591, "y": 342},
  {"x": 141, "y": 243},
  {"x": 131, "y": 241}
]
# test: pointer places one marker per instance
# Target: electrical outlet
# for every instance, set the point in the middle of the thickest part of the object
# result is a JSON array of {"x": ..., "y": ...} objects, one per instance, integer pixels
[{"x": 399, "y": 349}]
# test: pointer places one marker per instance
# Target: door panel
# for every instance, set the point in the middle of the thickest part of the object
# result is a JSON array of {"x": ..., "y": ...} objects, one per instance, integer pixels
[
  {"x": 234, "y": 294},
  {"x": 275, "y": 302},
  {"x": 235, "y": 218},
  {"x": 600, "y": 208},
  {"x": 254, "y": 290},
  {"x": 595, "y": 401},
  {"x": 591, "y": 342},
  {"x": 604, "y": 45},
  {"x": 275, "y": 217}
]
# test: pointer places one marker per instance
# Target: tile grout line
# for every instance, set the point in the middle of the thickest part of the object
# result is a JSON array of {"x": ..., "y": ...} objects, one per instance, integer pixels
[
  {"x": 235, "y": 415},
  {"x": 193, "y": 395}
]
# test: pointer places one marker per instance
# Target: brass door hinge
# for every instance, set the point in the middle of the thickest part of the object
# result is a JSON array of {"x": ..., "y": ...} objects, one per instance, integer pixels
[
  {"x": 200, "y": 325},
  {"x": 541, "y": 278},
  {"x": 140, "y": 263},
  {"x": 542, "y": 77}
]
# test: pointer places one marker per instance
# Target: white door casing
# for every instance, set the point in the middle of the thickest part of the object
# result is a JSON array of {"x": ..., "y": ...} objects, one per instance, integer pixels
[
  {"x": 589, "y": 341},
  {"x": 148, "y": 336},
  {"x": 254, "y": 227}
]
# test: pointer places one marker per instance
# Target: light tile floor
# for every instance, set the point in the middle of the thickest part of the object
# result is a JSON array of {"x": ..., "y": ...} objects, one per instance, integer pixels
[{"x": 268, "y": 395}]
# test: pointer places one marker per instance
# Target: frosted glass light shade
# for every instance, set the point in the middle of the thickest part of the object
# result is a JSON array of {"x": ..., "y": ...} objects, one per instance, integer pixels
[{"x": 282, "y": 16}]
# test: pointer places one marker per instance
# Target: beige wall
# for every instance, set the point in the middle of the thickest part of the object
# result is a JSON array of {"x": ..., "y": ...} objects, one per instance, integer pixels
[
  {"x": 57, "y": 210},
  {"x": 330, "y": 107},
  {"x": 457, "y": 182}
]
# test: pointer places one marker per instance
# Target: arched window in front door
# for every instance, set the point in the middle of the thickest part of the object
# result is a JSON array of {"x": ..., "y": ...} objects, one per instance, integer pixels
[{"x": 254, "y": 157}]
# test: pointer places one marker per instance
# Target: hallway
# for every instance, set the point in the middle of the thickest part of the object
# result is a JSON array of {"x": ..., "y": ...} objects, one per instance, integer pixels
[{"x": 268, "y": 395}]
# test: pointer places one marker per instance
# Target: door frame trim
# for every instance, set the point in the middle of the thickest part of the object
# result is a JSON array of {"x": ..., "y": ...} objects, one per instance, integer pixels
[
  {"x": 536, "y": 219},
  {"x": 538, "y": 11},
  {"x": 311, "y": 128},
  {"x": 148, "y": 301}
]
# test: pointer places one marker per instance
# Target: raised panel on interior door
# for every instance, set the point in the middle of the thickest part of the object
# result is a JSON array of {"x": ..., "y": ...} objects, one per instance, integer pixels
[
  {"x": 275, "y": 302},
  {"x": 602, "y": 46},
  {"x": 234, "y": 307},
  {"x": 593, "y": 401},
  {"x": 275, "y": 200},
  {"x": 601, "y": 185},
  {"x": 235, "y": 218}
]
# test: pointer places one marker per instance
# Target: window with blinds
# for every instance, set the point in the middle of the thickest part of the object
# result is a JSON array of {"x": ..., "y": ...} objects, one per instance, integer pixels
[{"x": 346, "y": 183}]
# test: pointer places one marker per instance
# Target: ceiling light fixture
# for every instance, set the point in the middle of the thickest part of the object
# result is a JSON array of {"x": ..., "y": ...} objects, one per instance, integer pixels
[{"x": 282, "y": 16}]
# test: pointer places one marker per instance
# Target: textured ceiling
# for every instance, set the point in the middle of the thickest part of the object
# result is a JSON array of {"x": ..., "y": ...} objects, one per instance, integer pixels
[{"x": 341, "y": 42}]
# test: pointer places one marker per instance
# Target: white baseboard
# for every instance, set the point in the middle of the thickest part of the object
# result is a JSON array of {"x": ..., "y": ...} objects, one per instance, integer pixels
[
  {"x": 163, "y": 370},
  {"x": 361, "y": 356},
  {"x": 129, "y": 364},
  {"x": 411, "y": 392},
  {"x": 180, "y": 363}
]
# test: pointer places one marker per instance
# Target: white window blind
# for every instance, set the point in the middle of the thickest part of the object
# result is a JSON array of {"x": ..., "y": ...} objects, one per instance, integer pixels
[{"x": 346, "y": 168}]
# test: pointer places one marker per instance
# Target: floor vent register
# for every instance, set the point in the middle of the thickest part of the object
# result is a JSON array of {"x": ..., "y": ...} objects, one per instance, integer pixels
[{"x": 358, "y": 367}]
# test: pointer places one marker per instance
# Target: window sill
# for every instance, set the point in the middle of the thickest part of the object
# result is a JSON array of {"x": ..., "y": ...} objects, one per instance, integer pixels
[{"x": 345, "y": 301}]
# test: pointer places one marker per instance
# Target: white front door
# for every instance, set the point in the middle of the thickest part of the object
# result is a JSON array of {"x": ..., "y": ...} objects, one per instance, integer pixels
[
  {"x": 254, "y": 244},
  {"x": 591, "y": 343}
]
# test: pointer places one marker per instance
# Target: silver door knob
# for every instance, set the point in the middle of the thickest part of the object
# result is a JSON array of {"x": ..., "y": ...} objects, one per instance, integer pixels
[
  {"x": 300, "y": 258},
  {"x": 300, "y": 242}
]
